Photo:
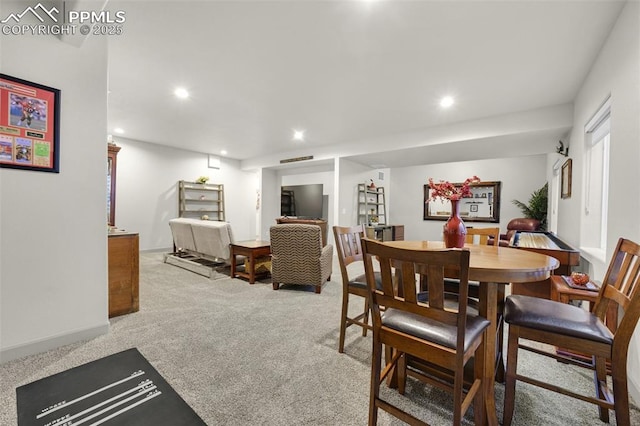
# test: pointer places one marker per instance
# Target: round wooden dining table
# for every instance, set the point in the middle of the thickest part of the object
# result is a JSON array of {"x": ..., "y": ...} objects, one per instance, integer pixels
[{"x": 494, "y": 267}]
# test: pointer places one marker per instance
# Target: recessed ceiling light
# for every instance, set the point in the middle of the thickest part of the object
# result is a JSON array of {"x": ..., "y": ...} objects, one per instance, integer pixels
[
  {"x": 181, "y": 93},
  {"x": 298, "y": 135},
  {"x": 223, "y": 152},
  {"x": 446, "y": 102},
  {"x": 118, "y": 130}
]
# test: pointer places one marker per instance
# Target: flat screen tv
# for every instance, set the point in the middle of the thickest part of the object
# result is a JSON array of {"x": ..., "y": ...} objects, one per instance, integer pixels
[{"x": 302, "y": 201}]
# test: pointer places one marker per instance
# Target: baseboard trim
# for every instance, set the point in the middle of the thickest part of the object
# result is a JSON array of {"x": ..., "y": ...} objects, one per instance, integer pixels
[
  {"x": 634, "y": 390},
  {"x": 46, "y": 344}
]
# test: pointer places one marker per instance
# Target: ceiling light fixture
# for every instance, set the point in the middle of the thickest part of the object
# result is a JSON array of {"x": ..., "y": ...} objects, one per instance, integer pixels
[
  {"x": 118, "y": 130},
  {"x": 223, "y": 152},
  {"x": 181, "y": 93},
  {"x": 446, "y": 102},
  {"x": 298, "y": 135}
]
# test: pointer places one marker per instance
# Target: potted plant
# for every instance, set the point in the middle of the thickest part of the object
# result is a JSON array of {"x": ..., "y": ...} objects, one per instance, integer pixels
[{"x": 537, "y": 206}]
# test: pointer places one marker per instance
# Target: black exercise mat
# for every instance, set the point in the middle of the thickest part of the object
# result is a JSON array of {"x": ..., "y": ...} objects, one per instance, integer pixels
[{"x": 121, "y": 389}]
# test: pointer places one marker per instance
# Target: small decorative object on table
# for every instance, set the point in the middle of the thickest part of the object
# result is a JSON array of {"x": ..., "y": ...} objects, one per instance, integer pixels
[
  {"x": 580, "y": 278},
  {"x": 580, "y": 281},
  {"x": 202, "y": 179},
  {"x": 454, "y": 231}
]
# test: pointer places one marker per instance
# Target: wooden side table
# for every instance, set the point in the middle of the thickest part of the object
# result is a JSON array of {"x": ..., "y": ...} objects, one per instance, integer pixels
[
  {"x": 561, "y": 292},
  {"x": 252, "y": 250}
]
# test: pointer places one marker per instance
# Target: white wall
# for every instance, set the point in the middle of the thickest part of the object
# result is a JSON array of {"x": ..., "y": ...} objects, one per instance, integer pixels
[
  {"x": 519, "y": 176},
  {"x": 147, "y": 195},
  {"x": 53, "y": 263},
  {"x": 616, "y": 72},
  {"x": 350, "y": 175},
  {"x": 269, "y": 201}
]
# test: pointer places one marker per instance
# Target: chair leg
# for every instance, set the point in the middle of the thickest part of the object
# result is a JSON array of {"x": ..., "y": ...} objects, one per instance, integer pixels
[
  {"x": 620, "y": 392},
  {"x": 510, "y": 380},
  {"x": 318, "y": 289},
  {"x": 376, "y": 361},
  {"x": 458, "y": 396},
  {"x": 276, "y": 286},
  {"x": 480, "y": 373},
  {"x": 600, "y": 376},
  {"x": 401, "y": 369},
  {"x": 343, "y": 320},
  {"x": 365, "y": 319}
]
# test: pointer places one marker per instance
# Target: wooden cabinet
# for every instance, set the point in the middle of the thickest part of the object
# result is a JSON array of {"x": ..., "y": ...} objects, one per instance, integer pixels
[
  {"x": 196, "y": 200},
  {"x": 112, "y": 162},
  {"x": 372, "y": 207},
  {"x": 385, "y": 232},
  {"x": 124, "y": 273},
  {"x": 398, "y": 232}
]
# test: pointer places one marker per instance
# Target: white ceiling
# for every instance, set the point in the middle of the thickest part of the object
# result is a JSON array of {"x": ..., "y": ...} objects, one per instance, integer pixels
[{"x": 355, "y": 75}]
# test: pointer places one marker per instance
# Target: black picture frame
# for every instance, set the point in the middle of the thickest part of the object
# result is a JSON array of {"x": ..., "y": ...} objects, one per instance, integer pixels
[
  {"x": 566, "y": 179},
  {"x": 483, "y": 205},
  {"x": 30, "y": 128}
]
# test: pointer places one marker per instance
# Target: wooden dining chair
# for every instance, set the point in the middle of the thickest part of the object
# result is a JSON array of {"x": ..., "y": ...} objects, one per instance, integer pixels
[
  {"x": 474, "y": 236},
  {"x": 482, "y": 235},
  {"x": 349, "y": 248},
  {"x": 448, "y": 339},
  {"x": 574, "y": 329}
]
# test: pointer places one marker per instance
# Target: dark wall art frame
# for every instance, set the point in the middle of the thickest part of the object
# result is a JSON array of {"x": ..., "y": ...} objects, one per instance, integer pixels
[
  {"x": 29, "y": 125},
  {"x": 482, "y": 206},
  {"x": 566, "y": 179}
]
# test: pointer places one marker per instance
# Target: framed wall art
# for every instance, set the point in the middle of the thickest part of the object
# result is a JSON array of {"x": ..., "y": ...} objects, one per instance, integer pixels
[
  {"x": 29, "y": 125},
  {"x": 566, "y": 179},
  {"x": 482, "y": 206}
]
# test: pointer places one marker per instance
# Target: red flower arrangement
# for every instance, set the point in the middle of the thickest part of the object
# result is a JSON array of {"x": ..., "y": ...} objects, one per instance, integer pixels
[{"x": 447, "y": 190}]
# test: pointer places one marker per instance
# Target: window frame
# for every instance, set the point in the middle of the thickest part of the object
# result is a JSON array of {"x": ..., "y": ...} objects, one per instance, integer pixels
[{"x": 597, "y": 131}]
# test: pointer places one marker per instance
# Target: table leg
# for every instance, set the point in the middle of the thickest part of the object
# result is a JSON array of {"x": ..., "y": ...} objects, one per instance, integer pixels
[
  {"x": 488, "y": 309},
  {"x": 233, "y": 263},
  {"x": 500, "y": 370},
  {"x": 252, "y": 267}
]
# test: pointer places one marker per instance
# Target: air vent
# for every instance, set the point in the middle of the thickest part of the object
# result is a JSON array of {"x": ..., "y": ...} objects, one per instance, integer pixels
[{"x": 293, "y": 160}]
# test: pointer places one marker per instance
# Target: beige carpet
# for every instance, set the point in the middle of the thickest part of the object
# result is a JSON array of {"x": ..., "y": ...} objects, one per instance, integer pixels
[{"x": 243, "y": 354}]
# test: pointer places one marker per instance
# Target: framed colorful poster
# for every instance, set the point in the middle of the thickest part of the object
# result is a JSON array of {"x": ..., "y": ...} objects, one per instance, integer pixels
[{"x": 29, "y": 125}]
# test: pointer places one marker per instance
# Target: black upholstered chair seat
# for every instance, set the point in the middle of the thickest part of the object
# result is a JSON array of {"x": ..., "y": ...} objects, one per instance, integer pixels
[
  {"x": 431, "y": 330},
  {"x": 361, "y": 281},
  {"x": 559, "y": 318}
]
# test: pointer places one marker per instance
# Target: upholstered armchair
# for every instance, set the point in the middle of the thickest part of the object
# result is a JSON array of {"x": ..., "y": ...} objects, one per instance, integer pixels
[
  {"x": 518, "y": 224},
  {"x": 298, "y": 257}
]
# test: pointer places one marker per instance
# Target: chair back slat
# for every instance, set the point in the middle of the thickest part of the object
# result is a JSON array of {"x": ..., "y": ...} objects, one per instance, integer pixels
[
  {"x": 631, "y": 276},
  {"x": 435, "y": 275},
  {"x": 407, "y": 270},
  {"x": 410, "y": 264},
  {"x": 386, "y": 273}
]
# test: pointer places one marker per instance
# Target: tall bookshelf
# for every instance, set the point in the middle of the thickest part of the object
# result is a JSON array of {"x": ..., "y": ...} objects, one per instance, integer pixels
[
  {"x": 372, "y": 206},
  {"x": 196, "y": 200}
]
